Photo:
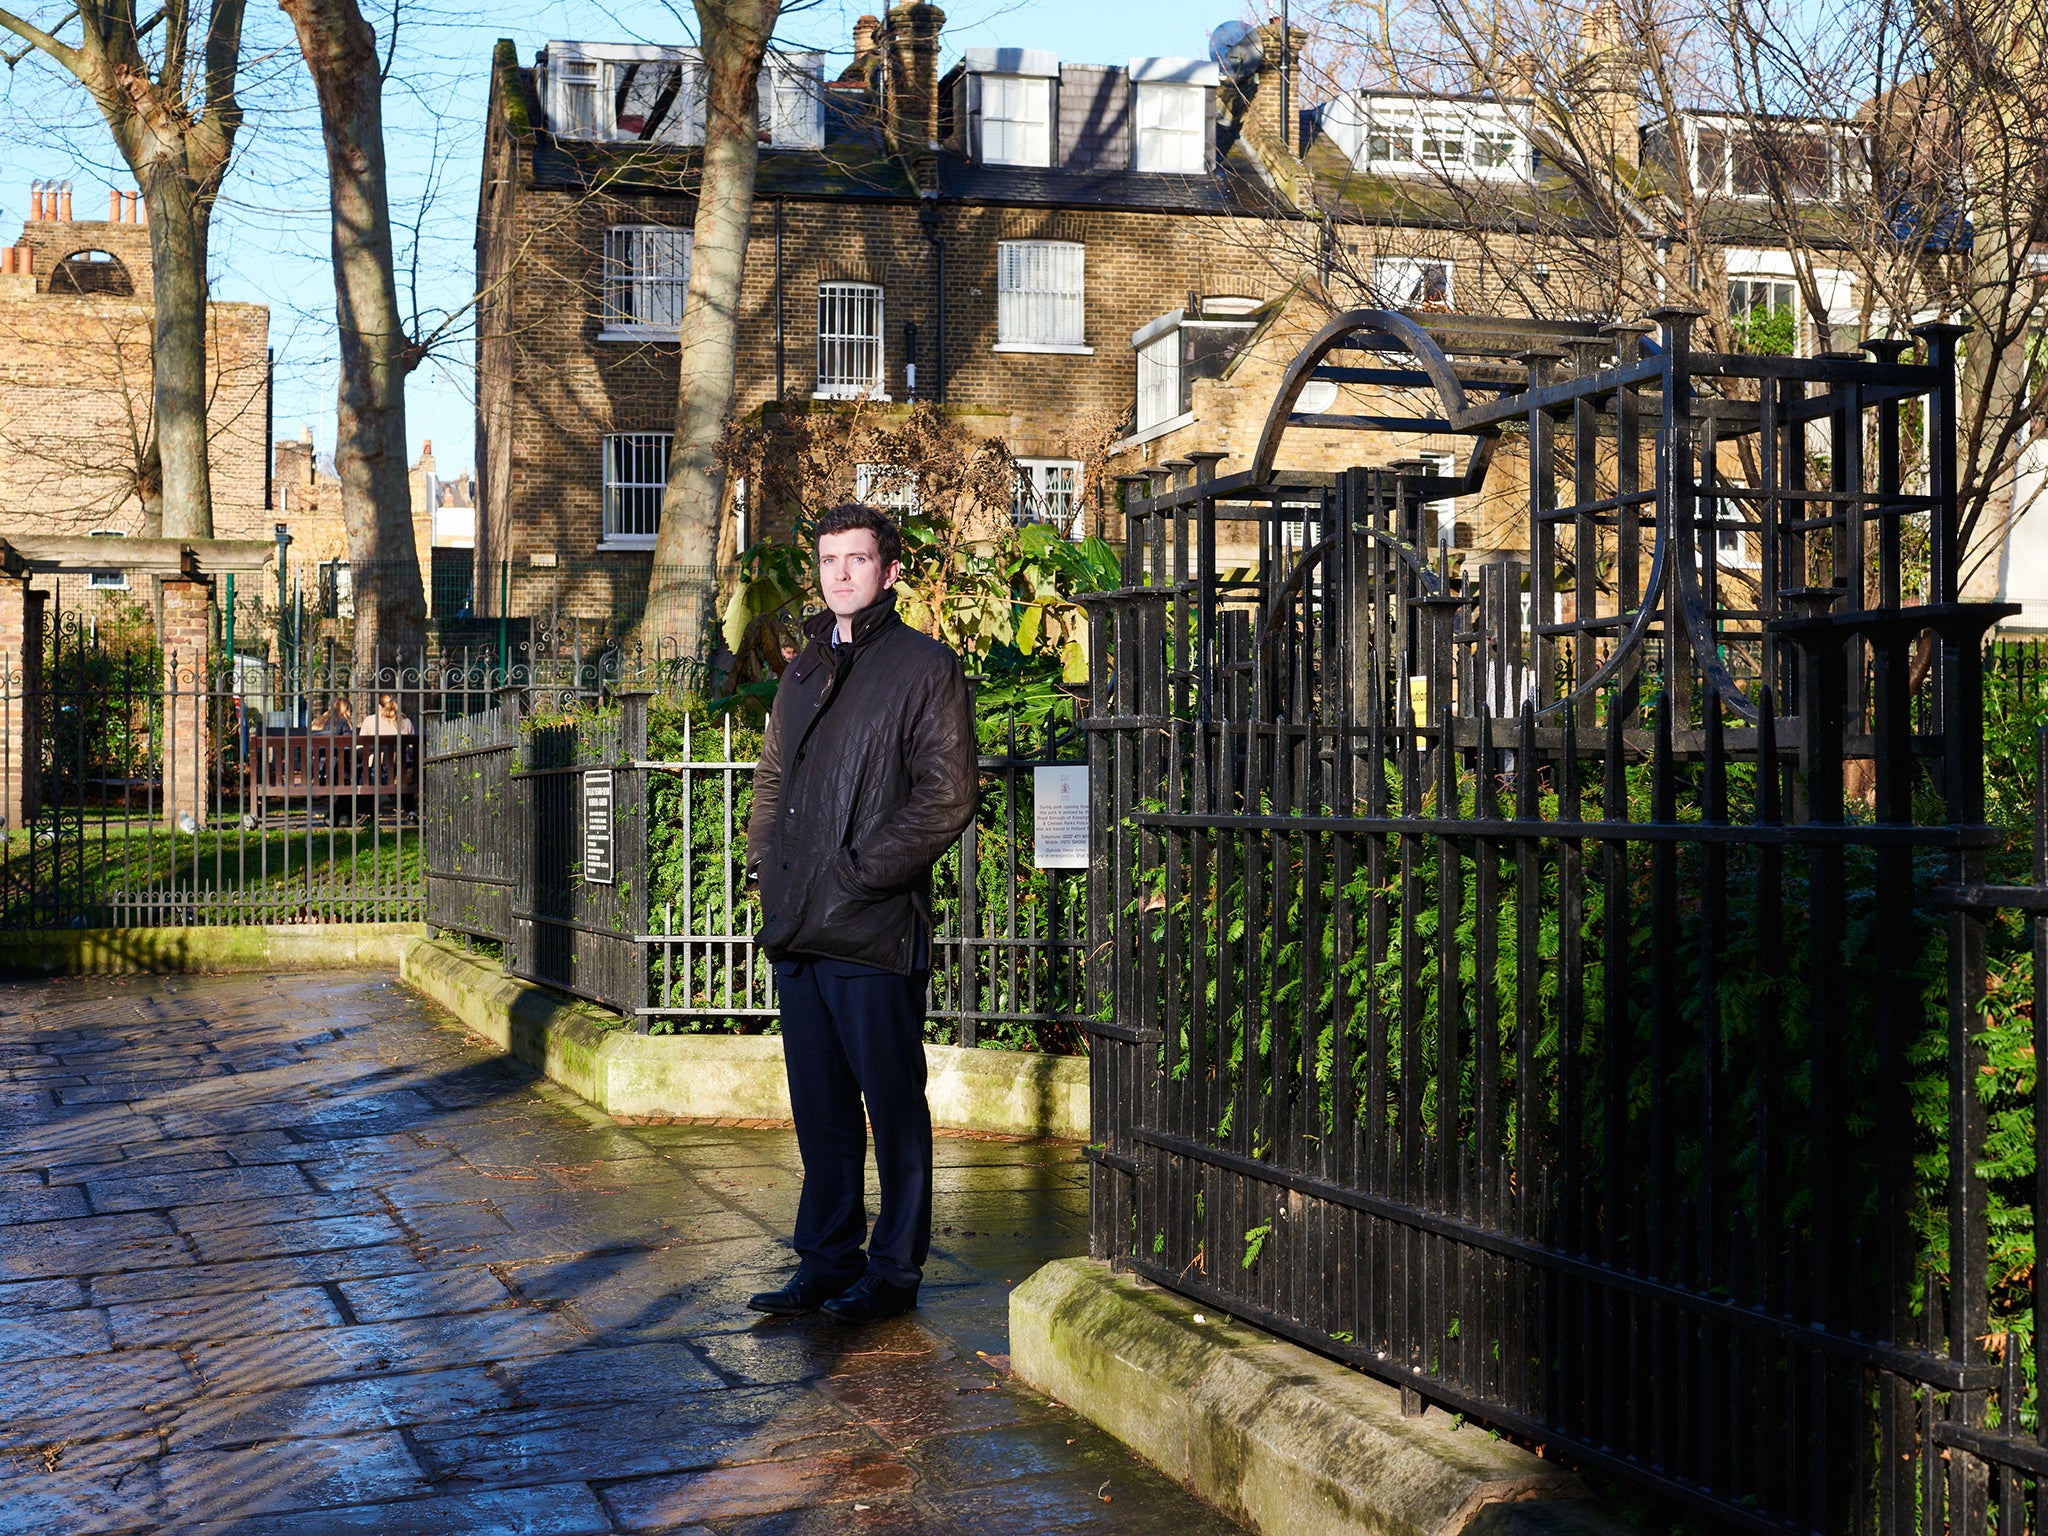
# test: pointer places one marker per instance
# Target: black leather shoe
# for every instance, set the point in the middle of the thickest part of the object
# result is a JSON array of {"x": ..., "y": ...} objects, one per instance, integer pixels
[
  {"x": 807, "y": 1290},
  {"x": 871, "y": 1299}
]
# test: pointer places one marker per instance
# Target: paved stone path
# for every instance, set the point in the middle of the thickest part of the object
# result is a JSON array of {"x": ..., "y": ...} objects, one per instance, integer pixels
[{"x": 294, "y": 1255}]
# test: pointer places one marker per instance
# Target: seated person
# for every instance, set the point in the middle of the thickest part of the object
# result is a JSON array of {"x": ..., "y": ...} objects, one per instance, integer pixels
[{"x": 387, "y": 721}]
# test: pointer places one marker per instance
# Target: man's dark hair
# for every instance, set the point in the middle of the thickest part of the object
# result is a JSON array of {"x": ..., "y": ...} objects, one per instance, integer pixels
[{"x": 849, "y": 515}]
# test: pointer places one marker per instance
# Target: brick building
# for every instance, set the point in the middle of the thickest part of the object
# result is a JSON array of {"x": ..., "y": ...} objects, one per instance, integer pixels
[
  {"x": 306, "y": 499},
  {"x": 989, "y": 240},
  {"x": 75, "y": 383},
  {"x": 1043, "y": 246}
]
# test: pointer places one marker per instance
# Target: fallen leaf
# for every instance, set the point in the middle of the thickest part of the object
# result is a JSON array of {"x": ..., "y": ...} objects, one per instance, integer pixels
[{"x": 993, "y": 1362}]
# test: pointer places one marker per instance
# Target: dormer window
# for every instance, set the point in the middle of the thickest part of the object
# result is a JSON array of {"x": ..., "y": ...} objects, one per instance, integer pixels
[
  {"x": 1764, "y": 159},
  {"x": 1170, "y": 114},
  {"x": 577, "y": 86},
  {"x": 1009, "y": 98},
  {"x": 625, "y": 93},
  {"x": 1411, "y": 135},
  {"x": 1172, "y": 126},
  {"x": 1016, "y": 120}
]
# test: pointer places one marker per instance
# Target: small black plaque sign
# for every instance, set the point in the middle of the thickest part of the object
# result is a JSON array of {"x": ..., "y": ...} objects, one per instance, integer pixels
[{"x": 597, "y": 826}]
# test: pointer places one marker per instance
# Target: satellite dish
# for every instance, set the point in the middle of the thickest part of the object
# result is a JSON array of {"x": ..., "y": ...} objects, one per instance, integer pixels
[{"x": 1235, "y": 48}]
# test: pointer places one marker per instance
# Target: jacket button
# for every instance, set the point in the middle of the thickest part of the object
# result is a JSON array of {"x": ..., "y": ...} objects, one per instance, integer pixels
[{"x": 785, "y": 863}]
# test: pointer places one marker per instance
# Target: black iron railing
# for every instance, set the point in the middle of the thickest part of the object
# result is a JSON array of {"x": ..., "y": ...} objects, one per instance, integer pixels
[{"x": 1556, "y": 984}]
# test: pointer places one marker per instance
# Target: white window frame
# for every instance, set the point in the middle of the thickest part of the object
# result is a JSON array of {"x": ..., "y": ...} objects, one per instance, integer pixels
[
  {"x": 1170, "y": 128},
  {"x": 1441, "y": 145},
  {"x": 624, "y": 497},
  {"x": 850, "y": 354},
  {"x": 337, "y": 577},
  {"x": 1049, "y": 491},
  {"x": 792, "y": 97},
  {"x": 578, "y": 108},
  {"x": 646, "y": 273},
  {"x": 1734, "y": 548},
  {"x": 1041, "y": 297},
  {"x": 1734, "y": 130},
  {"x": 582, "y": 83},
  {"x": 1020, "y": 133},
  {"x": 1158, "y": 380},
  {"x": 1407, "y": 276},
  {"x": 1389, "y": 140},
  {"x": 890, "y": 487},
  {"x": 1404, "y": 136},
  {"x": 1445, "y": 508},
  {"x": 107, "y": 580}
]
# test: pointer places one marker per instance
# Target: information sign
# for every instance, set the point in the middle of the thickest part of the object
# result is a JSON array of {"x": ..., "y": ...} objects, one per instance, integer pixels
[
  {"x": 1060, "y": 818},
  {"x": 597, "y": 826}
]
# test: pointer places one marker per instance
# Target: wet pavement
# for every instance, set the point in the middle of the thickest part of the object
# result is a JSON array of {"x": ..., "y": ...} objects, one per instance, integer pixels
[{"x": 292, "y": 1255}]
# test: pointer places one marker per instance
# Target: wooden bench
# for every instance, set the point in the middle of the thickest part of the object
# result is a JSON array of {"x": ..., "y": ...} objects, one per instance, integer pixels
[{"x": 340, "y": 776}]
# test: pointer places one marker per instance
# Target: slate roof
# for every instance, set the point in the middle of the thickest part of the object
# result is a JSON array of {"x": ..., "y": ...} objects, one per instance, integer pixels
[
  {"x": 1235, "y": 187},
  {"x": 853, "y": 166}
]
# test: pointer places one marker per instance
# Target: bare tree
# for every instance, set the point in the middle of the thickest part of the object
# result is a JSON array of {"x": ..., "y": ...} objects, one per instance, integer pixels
[
  {"x": 165, "y": 85},
  {"x": 734, "y": 36},
  {"x": 1884, "y": 149},
  {"x": 377, "y": 354}
]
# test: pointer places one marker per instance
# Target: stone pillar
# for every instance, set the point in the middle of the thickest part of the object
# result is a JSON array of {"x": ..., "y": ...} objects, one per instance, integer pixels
[
  {"x": 188, "y": 715},
  {"x": 21, "y": 678}
]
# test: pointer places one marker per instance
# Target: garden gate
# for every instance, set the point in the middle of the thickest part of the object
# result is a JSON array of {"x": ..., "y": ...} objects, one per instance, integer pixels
[
  {"x": 1557, "y": 987},
  {"x": 536, "y": 839}
]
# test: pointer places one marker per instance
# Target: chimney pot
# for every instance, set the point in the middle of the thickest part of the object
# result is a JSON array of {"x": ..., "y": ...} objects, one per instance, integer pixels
[
  {"x": 130, "y": 198},
  {"x": 28, "y": 260},
  {"x": 114, "y": 206},
  {"x": 36, "y": 200},
  {"x": 64, "y": 204}
]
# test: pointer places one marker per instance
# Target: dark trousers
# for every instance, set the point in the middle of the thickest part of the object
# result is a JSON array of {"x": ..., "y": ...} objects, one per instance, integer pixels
[{"x": 851, "y": 1032}]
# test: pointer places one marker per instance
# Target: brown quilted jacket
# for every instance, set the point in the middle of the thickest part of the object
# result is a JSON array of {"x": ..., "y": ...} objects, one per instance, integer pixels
[{"x": 868, "y": 773}]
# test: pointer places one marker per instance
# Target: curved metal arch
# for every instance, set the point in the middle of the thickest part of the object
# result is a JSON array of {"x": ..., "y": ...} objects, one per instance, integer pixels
[{"x": 1385, "y": 322}]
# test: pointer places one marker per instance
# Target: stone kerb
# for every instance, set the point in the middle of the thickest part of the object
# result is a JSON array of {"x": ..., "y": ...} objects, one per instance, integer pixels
[
  {"x": 1275, "y": 1436},
  {"x": 720, "y": 1077}
]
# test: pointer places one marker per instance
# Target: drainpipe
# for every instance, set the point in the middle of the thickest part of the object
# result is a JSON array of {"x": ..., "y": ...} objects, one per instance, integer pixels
[
  {"x": 1286, "y": 40},
  {"x": 778, "y": 301},
  {"x": 269, "y": 427},
  {"x": 928, "y": 221}
]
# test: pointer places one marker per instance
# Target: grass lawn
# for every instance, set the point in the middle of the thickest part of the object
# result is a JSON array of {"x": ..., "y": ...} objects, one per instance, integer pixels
[{"x": 108, "y": 873}]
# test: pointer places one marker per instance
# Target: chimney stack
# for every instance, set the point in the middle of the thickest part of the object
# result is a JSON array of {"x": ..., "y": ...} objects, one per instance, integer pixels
[
  {"x": 1270, "y": 108},
  {"x": 912, "y": 41},
  {"x": 1607, "y": 86},
  {"x": 867, "y": 50}
]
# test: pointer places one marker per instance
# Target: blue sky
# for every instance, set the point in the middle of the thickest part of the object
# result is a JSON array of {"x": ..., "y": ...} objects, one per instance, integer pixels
[{"x": 270, "y": 240}]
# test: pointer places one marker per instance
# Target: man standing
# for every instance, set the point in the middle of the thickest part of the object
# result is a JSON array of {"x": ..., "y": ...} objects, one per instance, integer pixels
[{"x": 867, "y": 775}]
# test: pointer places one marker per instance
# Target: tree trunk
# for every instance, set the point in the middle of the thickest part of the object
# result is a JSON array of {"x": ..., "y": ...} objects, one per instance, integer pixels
[
  {"x": 177, "y": 259},
  {"x": 370, "y": 457},
  {"x": 680, "y": 588}
]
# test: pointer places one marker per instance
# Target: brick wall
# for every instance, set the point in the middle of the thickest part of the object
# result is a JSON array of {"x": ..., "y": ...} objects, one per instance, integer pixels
[{"x": 75, "y": 403}]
